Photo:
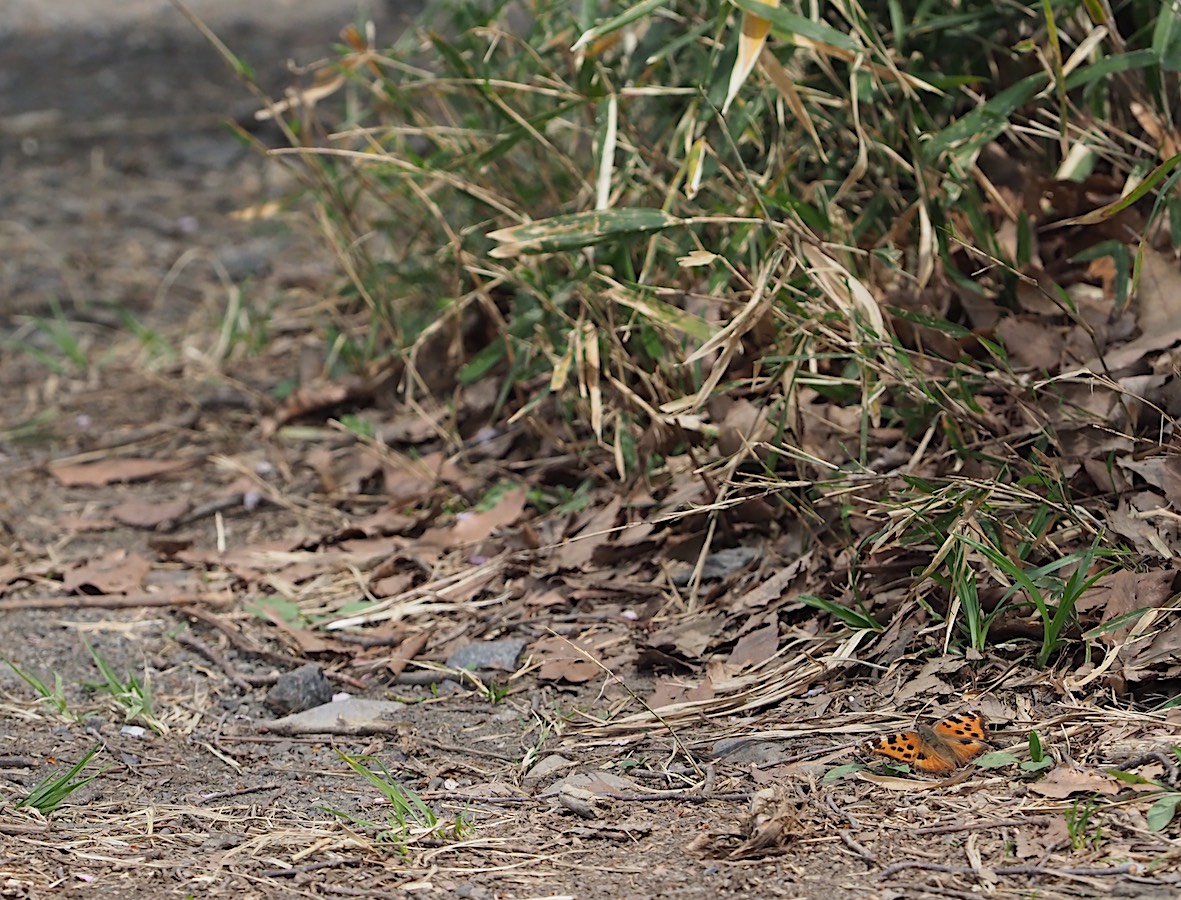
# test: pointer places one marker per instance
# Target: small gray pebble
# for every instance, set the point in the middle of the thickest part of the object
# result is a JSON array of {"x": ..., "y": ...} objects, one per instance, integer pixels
[
  {"x": 300, "y": 689},
  {"x": 479, "y": 655}
]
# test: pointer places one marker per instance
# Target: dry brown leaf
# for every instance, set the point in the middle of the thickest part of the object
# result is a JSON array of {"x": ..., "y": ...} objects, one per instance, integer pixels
[
  {"x": 1037, "y": 841},
  {"x": 670, "y": 691},
  {"x": 1137, "y": 520},
  {"x": 754, "y": 648},
  {"x": 307, "y": 641},
  {"x": 542, "y": 599},
  {"x": 473, "y": 527},
  {"x": 1123, "y": 592},
  {"x": 406, "y": 651},
  {"x": 1030, "y": 343},
  {"x": 774, "y": 587},
  {"x": 1158, "y": 314},
  {"x": 149, "y": 514},
  {"x": 601, "y": 783},
  {"x": 1063, "y": 781},
  {"x": 687, "y": 638},
  {"x": 388, "y": 520},
  {"x": 117, "y": 573},
  {"x": 634, "y": 534},
  {"x": 1158, "y": 659},
  {"x": 353, "y": 716},
  {"x": 742, "y": 425},
  {"x": 562, "y": 660},
  {"x": 316, "y": 398},
  {"x": 392, "y": 585},
  {"x": 578, "y": 551},
  {"x": 1162, "y": 472},
  {"x": 109, "y": 471}
]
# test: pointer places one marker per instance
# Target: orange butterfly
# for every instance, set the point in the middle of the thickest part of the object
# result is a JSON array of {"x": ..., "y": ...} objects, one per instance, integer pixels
[{"x": 946, "y": 746}]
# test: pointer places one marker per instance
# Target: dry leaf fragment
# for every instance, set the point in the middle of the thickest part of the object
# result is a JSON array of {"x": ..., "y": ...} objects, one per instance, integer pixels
[
  {"x": 1124, "y": 592},
  {"x": 755, "y": 648},
  {"x": 473, "y": 527},
  {"x": 307, "y": 641},
  {"x": 1062, "y": 782},
  {"x": 149, "y": 514},
  {"x": 406, "y": 651},
  {"x": 116, "y": 573},
  {"x": 562, "y": 660},
  {"x": 109, "y": 471},
  {"x": 351, "y": 717}
]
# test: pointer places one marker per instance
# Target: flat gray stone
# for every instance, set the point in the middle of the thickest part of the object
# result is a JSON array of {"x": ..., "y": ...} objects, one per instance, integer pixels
[{"x": 498, "y": 655}]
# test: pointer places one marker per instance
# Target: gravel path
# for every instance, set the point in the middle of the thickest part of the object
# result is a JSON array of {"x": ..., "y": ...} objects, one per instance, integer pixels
[
  {"x": 38, "y": 17},
  {"x": 79, "y": 60}
]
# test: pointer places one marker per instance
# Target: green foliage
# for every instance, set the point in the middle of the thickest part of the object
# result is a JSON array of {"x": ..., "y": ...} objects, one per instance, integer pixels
[
  {"x": 616, "y": 240},
  {"x": 857, "y": 619},
  {"x": 1038, "y": 761},
  {"x": 132, "y": 695},
  {"x": 1054, "y": 598},
  {"x": 1082, "y": 824},
  {"x": 504, "y": 124},
  {"x": 52, "y": 791},
  {"x": 54, "y": 697},
  {"x": 1160, "y": 815},
  {"x": 68, "y": 355},
  {"x": 410, "y": 820},
  {"x": 359, "y": 426}
]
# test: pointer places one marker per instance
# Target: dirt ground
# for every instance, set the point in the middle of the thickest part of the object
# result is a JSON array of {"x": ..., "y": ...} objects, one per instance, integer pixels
[{"x": 144, "y": 326}]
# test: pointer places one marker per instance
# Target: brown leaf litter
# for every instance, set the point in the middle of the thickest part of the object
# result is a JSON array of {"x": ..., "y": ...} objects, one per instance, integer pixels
[{"x": 671, "y": 658}]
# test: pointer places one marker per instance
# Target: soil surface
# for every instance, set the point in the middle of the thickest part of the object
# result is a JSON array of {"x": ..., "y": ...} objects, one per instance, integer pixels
[{"x": 146, "y": 326}]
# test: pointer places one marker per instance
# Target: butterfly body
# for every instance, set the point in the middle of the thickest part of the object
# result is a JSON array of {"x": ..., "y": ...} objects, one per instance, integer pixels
[{"x": 946, "y": 746}]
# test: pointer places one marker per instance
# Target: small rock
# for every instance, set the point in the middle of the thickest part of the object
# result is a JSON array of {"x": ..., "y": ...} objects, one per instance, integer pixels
[
  {"x": 251, "y": 259},
  {"x": 500, "y": 655},
  {"x": 352, "y": 716},
  {"x": 546, "y": 767},
  {"x": 218, "y": 152},
  {"x": 721, "y": 564},
  {"x": 301, "y": 689},
  {"x": 747, "y": 752}
]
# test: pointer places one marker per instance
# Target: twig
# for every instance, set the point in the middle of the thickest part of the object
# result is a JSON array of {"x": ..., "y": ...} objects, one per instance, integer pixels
[
  {"x": 107, "y": 601},
  {"x": 23, "y": 829},
  {"x": 242, "y": 681},
  {"x": 977, "y": 826},
  {"x": 308, "y": 867},
  {"x": 844, "y": 813},
  {"x": 221, "y": 504},
  {"x": 1125, "y": 869},
  {"x": 471, "y": 751},
  {"x": 692, "y": 795},
  {"x": 224, "y": 795},
  {"x": 428, "y": 676},
  {"x": 246, "y": 646},
  {"x": 1169, "y": 766},
  {"x": 862, "y": 851}
]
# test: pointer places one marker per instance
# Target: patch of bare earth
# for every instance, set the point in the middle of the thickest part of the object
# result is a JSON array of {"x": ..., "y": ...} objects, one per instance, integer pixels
[{"x": 593, "y": 697}]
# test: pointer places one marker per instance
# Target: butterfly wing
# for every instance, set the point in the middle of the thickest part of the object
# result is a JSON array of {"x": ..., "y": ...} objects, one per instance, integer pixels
[
  {"x": 965, "y": 736},
  {"x": 949, "y": 744},
  {"x": 922, "y": 751}
]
